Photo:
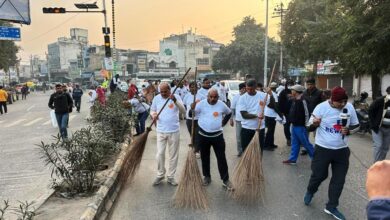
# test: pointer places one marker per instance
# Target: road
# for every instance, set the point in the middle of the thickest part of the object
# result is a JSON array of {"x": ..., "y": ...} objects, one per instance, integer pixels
[
  {"x": 285, "y": 186},
  {"x": 23, "y": 175}
]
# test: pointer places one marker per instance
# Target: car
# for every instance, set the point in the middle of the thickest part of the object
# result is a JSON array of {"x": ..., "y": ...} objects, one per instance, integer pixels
[
  {"x": 232, "y": 88},
  {"x": 123, "y": 86}
]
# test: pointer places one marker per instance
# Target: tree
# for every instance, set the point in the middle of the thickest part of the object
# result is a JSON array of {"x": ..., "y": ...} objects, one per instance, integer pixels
[
  {"x": 307, "y": 31},
  {"x": 365, "y": 40},
  {"x": 8, "y": 51},
  {"x": 245, "y": 53}
]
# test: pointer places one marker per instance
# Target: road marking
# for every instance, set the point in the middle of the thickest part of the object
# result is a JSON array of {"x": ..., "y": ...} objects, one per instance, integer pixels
[
  {"x": 32, "y": 122},
  {"x": 72, "y": 117},
  {"x": 31, "y": 108},
  {"x": 47, "y": 123},
  {"x": 15, "y": 123}
]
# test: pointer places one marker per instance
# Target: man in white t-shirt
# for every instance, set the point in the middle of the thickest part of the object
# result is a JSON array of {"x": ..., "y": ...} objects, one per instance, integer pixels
[
  {"x": 237, "y": 116},
  {"x": 333, "y": 120},
  {"x": 202, "y": 92},
  {"x": 221, "y": 91},
  {"x": 188, "y": 100},
  {"x": 250, "y": 105},
  {"x": 168, "y": 132},
  {"x": 213, "y": 114},
  {"x": 271, "y": 113}
]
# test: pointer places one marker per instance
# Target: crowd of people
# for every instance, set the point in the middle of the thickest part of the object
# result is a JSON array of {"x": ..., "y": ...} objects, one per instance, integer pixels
[{"x": 301, "y": 111}]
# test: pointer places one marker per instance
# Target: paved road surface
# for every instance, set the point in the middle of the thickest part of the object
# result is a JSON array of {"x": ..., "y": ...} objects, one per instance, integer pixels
[
  {"x": 23, "y": 175},
  {"x": 285, "y": 187}
]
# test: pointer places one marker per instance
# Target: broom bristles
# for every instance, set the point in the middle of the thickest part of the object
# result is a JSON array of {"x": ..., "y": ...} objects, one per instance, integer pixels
[
  {"x": 248, "y": 179},
  {"x": 133, "y": 157},
  {"x": 190, "y": 193}
]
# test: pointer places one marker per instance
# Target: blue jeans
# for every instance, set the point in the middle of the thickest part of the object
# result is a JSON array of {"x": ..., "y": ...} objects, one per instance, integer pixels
[
  {"x": 299, "y": 136},
  {"x": 62, "y": 121},
  {"x": 140, "y": 126}
]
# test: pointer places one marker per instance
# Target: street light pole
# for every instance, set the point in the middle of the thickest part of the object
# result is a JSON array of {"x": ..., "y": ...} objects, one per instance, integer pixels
[
  {"x": 280, "y": 11},
  {"x": 266, "y": 44}
]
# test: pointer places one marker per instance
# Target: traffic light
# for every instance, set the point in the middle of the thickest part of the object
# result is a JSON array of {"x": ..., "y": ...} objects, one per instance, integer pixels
[
  {"x": 54, "y": 10},
  {"x": 107, "y": 45}
]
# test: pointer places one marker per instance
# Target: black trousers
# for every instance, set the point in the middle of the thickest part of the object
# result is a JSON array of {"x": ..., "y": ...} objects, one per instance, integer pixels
[
  {"x": 339, "y": 161},
  {"x": 247, "y": 135},
  {"x": 77, "y": 103},
  {"x": 196, "y": 130},
  {"x": 270, "y": 123},
  {"x": 3, "y": 105},
  {"x": 24, "y": 96},
  {"x": 218, "y": 144},
  {"x": 287, "y": 132}
]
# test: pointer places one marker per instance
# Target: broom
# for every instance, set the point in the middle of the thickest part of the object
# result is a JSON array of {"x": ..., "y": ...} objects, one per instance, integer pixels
[
  {"x": 133, "y": 156},
  {"x": 190, "y": 193},
  {"x": 248, "y": 178}
]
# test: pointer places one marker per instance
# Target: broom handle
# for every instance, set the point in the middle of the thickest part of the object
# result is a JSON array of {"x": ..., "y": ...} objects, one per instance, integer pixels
[
  {"x": 166, "y": 102},
  {"x": 193, "y": 113},
  {"x": 266, "y": 97}
]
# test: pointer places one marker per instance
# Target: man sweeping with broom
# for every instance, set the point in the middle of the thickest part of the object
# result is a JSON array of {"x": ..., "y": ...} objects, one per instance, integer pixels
[
  {"x": 168, "y": 132},
  {"x": 212, "y": 116}
]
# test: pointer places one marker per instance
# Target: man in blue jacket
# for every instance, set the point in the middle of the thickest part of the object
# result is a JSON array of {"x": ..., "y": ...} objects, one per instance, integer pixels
[{"x": 76, "y": 95}]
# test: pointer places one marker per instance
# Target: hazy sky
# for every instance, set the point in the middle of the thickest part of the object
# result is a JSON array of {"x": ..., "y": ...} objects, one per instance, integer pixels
[{"x": 140, "y": 24}]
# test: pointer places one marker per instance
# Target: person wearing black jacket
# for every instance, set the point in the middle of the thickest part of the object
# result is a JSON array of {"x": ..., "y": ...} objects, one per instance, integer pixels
[
  {"x": 313, "y": 97},
  {"x": 76, "y": 95},
  {"x": 299, "y": 116},
  {"x": 285, "y": 102},
  {"x": 379, "y": 115},
  {"x": 61, "y": 102}
]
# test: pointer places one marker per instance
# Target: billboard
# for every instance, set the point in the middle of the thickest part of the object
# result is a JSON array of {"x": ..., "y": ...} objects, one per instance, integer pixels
[{"x": 17, "y": 11}]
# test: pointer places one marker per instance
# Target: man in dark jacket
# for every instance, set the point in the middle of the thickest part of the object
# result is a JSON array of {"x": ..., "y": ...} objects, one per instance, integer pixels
[
  {"x": 285, "y": 101},
  {"x": 76, "y": 95},
  {"x": 61, "y": 102},
  {"x": 313, "y": 97},
  {"x": 299, "y": 117},
  {"x": 379, "y": 114}
]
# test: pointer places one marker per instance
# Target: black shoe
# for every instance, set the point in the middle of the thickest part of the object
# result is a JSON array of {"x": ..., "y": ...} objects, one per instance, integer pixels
[
  {"x": 206, "y": 181},
  {"x": 274, "y": 146},
  {"x": 304, "y": 152},
  {"x": 228, "y": 185},
  {"x": 289, "y": 143},
  {"x": 239, "y": 154}
]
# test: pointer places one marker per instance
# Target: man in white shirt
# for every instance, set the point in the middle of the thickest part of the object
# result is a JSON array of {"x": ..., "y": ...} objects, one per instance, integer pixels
[
  {"x": 204, "y": 90},
  {"x": 271, "y": 113},
  {"x": 168, "y": 132},
  {"x": 333, "y": 120},
  {"x": 221, "y": 91},
  {"x": 188, "y": 100},
  {"x": 213, "y": 114},
  {"x": 237, "y": 116},
  {"x": 250, "y": 105}
]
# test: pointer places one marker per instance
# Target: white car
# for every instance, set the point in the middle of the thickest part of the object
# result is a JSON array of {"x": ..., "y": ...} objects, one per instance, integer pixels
[
  {"x": 123, "y": 86},
  {"x": 232, "y": 88}
]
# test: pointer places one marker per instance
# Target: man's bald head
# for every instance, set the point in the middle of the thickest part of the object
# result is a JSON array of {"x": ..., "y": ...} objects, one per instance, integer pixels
[{"x": 165, "y": 90}]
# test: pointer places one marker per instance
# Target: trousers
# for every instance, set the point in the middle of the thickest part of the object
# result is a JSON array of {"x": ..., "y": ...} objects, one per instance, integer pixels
[
  {"x": 3, "y": 105},
  {"x": 299, "y": 136},
  {"x": 270, "y": 123},
  {"x": 172, "y": 141},
  {"x": 339, "y": 162},
  {"x": 196, "y": 130},
  {"x": 247, "y": 135},
  {"x": 62, "y": 121},
  {"x": 218, "y": 144},
  {"x": 381, "y": 143},
  {"x": 238, "y": 137}
]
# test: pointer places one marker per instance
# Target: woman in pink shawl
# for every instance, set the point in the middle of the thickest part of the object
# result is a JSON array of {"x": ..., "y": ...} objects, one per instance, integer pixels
[{"x": 101, "y": 95}]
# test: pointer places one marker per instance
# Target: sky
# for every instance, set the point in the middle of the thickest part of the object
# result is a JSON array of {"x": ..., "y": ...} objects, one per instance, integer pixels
[{"x": 140, "y": 24}]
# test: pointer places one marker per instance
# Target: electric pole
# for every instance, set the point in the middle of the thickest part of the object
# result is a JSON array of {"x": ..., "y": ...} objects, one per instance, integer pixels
[
  {"x": 266, "y": 44},
  {"x": 279, "y": 11}
]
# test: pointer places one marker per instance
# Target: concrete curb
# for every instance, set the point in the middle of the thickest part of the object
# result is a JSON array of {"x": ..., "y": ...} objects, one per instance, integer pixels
[{"x": 107, "y": 193}]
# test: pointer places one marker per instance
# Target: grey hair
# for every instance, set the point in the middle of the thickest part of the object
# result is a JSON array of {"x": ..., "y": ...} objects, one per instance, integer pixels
[
  {"x": 212, "y": 90},
  {"x": 164, "y": 84}
]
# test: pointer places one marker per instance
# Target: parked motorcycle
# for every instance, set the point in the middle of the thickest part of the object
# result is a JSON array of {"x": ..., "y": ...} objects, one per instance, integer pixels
[{"x": 361, "y": 107}]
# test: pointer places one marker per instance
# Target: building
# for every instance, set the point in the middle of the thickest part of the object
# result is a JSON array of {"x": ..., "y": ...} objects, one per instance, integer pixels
[
  {"x": 66, "y": 56},
  {"x": 187, "y": 50}
]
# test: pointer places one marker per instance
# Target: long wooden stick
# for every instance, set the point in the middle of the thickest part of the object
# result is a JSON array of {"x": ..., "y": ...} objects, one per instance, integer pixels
[
  {"x": 193, "y": 113},
  {"x": 166, "y": 102}
]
